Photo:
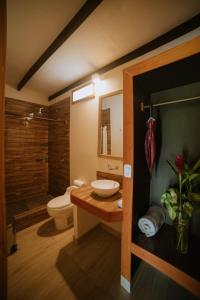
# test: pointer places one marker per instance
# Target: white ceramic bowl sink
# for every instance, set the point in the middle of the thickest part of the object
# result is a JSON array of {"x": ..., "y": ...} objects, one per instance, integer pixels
[{"x": 105, "y": 188}]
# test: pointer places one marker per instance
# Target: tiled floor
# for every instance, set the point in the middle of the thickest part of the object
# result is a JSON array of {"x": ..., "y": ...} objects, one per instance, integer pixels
[{"x": 50, "y": 265}]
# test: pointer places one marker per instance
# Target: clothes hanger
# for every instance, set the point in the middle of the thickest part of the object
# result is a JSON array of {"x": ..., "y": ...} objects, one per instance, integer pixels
[{"x": 150, "y": 112}]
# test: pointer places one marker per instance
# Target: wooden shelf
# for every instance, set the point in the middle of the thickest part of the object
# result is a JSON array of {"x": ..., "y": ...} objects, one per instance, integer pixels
[
  {"x": 160, "y": 252},
  {"x": 104, "y": 208}
]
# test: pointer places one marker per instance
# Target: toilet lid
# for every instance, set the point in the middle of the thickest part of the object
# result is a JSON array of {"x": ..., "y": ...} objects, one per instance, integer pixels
[{"x": 59, "y": 202}]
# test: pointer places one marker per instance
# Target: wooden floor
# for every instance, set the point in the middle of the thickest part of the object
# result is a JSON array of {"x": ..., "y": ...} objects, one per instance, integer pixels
[{"x": 50, "y": 265}]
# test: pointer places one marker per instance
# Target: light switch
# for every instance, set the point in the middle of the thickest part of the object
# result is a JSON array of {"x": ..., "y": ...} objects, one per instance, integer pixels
[{"x": 127, "y": 171}]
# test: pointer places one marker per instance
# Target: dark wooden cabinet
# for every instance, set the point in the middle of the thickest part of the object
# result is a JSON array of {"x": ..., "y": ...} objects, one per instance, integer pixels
[{"x": 174, "y": 68}]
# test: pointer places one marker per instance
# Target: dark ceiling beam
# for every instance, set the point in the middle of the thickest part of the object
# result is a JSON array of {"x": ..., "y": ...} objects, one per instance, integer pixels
[
  {"x": 167, "y": 37},
  {"x": 76, "y": 21}
]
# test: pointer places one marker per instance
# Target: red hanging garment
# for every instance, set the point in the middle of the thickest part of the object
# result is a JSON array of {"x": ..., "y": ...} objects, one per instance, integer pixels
[{"x": 150, "y": 143}]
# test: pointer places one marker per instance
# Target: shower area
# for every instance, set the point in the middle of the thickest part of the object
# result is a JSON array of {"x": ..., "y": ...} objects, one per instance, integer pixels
[{"x": 36, "y": 158}]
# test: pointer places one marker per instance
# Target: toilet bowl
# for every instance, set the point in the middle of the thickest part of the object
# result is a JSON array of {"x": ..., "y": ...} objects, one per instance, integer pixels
[{"x": 61, "y": 209}]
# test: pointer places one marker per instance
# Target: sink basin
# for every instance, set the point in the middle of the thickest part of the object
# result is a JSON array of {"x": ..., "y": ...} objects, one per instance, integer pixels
[{"x": 105, "y": 188}]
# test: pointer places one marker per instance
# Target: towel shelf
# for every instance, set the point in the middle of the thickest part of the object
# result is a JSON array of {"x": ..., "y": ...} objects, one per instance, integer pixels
[{"x": 163, "y": 250}]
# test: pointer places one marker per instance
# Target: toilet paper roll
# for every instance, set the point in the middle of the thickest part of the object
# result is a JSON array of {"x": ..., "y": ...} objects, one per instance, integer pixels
[{"x": 78, "y": 182}]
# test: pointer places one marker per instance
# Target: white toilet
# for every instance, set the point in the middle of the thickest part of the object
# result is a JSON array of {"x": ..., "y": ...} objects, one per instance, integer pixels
[{"x": 61, "y": 208}]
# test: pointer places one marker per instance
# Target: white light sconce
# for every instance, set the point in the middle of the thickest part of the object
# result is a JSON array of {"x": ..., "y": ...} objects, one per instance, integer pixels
[{"x": 85, "y": 92}]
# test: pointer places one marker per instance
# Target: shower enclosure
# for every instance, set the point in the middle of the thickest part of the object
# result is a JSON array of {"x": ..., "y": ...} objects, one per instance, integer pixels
[{"x": 33, "y": 135}]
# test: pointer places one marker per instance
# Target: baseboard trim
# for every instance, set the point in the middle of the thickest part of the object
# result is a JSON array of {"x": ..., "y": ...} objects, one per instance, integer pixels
[
  {"x": 30, "y": 217},
  {"x": 125, "y": 284},
  {"x": 110, "y": 230}
]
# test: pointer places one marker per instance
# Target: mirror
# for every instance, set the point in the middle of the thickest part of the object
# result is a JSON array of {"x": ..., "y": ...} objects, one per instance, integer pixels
[{"x": 110, "y": 139}]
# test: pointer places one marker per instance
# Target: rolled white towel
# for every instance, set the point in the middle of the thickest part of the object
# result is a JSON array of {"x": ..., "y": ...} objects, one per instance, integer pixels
[
  {"x": 150, "y": 223},
  {"x": 147, "y": 226},
  {"x": 78, "y": 182}
]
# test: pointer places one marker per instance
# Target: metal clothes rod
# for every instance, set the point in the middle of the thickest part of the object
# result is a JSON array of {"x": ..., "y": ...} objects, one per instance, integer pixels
[{"x": 169, "y": 102}]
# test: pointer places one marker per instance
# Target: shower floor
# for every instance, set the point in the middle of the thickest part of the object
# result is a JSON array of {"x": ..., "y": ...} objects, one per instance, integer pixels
[{"x": 17, "y": 208}]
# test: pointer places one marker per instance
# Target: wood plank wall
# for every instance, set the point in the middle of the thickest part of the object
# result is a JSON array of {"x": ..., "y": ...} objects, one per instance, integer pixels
[
  {"x": 59, "y": 176},
  {"x": 26, "y": 152},
  {"x": 3, "y": 243}
]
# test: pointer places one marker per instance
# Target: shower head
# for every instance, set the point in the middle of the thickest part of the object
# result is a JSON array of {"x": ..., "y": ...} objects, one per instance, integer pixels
[
  {"x": 40, "y": 113},
  {"x": 30, "y": 116},
  {"x": 26, "y": 121}
]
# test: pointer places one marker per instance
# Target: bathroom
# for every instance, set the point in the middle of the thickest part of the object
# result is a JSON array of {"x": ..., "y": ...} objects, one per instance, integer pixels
[
  {"x": 58, "y": 160},
  {"x": 55, "y": 143},
  {"x": 46, "y": 140}
]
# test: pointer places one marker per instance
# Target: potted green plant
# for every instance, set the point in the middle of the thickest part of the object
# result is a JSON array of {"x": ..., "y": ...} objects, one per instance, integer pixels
[{"x": 181, "y": 200}]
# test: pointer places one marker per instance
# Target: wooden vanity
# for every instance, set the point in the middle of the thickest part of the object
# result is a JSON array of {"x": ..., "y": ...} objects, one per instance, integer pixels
[{"x": 104, "y": 208}]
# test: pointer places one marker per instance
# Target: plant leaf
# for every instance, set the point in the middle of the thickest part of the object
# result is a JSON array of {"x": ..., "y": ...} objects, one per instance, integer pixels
[
  {"x": 173, "y": 196},
  {"x": 193, "y": 176},
  {"x": 194, "y": 197},
  {"x": 163, "y": 198},
  {"x": 171, "y": 212},
  {"x": 196, "y": 166},
  {"x": 188, "y": 208},
  {"x": 185, "y": 179},
  {"x": 173, "y": 168}
]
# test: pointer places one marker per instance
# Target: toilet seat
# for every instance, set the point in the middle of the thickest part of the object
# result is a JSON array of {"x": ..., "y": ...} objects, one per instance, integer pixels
[{"x": 59, "y": 202}]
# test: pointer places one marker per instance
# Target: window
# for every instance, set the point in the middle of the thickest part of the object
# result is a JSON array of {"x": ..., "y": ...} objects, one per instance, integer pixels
[{"x": 83, "y": 93}]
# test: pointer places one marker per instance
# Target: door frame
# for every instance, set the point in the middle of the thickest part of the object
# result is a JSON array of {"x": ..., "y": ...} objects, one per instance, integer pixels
[
  {"x": 3, "y": 244},
  {"x": 179, "y": 52}
]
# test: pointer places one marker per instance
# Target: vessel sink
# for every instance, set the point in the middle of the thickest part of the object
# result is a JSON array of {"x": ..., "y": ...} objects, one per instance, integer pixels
[{"x": 105, "y": 188}]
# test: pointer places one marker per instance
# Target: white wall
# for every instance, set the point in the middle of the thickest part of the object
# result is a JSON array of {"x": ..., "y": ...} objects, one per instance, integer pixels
[
  {"x": 26, "y": 94},
  {"x": 84, "y": 122},
  {"x": 83, "y": 140},
  {"x": 84, "y": 119}
]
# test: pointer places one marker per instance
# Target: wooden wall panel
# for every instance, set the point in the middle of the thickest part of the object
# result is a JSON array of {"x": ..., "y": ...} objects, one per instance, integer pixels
[
  {"x": 26, "y": 149},
  {"x": 3, "y": 245},
  {"x": 59, "y": 175}
]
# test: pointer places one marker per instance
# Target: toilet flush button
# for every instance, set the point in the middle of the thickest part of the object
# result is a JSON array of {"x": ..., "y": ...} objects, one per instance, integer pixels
[{"x": 127, "y": 171}]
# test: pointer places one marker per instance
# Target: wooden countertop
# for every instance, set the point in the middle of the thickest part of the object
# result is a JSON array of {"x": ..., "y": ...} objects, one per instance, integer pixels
[{"x": 104, "y": 208}]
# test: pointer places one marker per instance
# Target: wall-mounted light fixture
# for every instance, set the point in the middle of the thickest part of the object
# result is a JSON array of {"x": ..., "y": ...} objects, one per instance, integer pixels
[{"x": 96, "y": 78}]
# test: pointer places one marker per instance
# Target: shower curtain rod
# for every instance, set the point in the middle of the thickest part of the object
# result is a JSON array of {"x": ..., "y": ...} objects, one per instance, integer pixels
[
  {"x": 168, "y": 102},
  {"x": 32, "y": 118}
]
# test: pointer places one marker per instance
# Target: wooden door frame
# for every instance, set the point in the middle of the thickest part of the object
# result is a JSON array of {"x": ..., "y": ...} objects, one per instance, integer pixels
[
  {"x": 3, "y": 245},
  {"x": 179, "y": 52}
]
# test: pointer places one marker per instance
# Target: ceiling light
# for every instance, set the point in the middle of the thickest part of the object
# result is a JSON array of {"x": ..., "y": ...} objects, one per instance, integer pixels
[{"x": 96, "y": 78}]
